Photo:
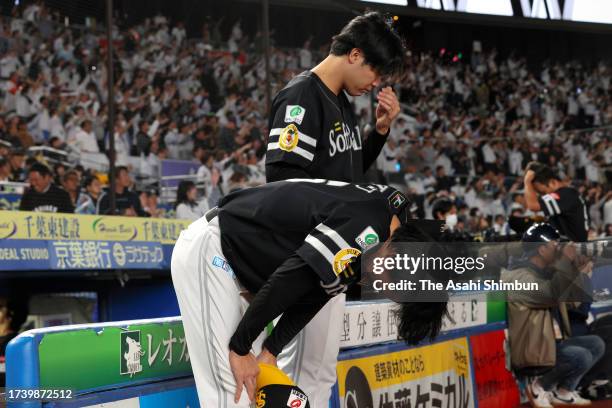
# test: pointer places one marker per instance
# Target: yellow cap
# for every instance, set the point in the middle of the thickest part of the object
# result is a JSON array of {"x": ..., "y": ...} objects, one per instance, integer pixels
[{"x": 269, "y": 374}]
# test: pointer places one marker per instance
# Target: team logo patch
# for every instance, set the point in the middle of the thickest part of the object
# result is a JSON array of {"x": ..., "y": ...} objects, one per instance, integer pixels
[
  {"x": 260, "y": 399},
  {"x": 294, "y": 113},
  {"x": 296, "y": 399},
  {"x": 397, "y": 199},
  {"x": 288, "y": 138},
  {"x": 343, "y": 258},
  {"x": 367, "y": 239}
]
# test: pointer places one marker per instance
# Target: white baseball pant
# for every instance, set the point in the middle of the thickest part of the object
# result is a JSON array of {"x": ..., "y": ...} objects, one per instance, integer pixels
[{"x": 211, "y": 308}]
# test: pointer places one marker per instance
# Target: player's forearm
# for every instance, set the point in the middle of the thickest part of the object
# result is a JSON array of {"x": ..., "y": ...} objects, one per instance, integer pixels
[
  {"x": 293, "y": 321},
  {"x": 372, "y": 146},
  {"x": 531, "y": 197},
  {"x": 287, "y": 285}
]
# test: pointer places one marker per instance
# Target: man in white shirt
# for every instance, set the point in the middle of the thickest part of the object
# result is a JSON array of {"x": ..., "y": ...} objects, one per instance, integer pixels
[{"x": 84, "y": 140}]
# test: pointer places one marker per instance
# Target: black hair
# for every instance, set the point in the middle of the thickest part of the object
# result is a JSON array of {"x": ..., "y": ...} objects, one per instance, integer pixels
[
  {"x": 88, "y": 180},
  {"x": 119, "y": 169},
  {"x": 544, "y": 175},
  {"x": 382, "y": 48},
  {"x": 441, "y": 206},
  {"x": 41, "y": 169},
  {"x": 181, "y": 193},
  {"x": 418, "y": 320}
]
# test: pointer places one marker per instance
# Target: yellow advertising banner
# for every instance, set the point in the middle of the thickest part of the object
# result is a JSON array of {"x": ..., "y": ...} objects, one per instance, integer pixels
[
  {"x": 57, "y": 227},
  {"x": 437, "y": 375}
]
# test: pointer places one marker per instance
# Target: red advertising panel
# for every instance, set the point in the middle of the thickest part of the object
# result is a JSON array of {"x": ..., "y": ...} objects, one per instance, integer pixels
[{"x": 495, "y": 385}]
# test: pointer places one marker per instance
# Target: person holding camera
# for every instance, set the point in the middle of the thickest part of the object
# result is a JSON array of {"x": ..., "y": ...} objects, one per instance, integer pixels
[{"x": 540, "y": 333}]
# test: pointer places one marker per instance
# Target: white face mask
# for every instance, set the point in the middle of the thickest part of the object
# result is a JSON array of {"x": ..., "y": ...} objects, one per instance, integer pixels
[{"x": 451, "y": 220}]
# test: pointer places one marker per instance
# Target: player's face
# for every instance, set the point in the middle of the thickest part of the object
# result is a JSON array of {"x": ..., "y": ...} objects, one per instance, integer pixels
[{"x": 361, "y": 77}]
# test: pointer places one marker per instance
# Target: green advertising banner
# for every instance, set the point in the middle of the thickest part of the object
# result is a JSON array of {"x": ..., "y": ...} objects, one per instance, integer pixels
[
  {"x": 90, "y": 358},
  {"x": 496, "y": 307}
]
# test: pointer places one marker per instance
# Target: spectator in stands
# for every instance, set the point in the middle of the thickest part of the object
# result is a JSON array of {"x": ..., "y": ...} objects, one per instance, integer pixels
[
  {"x": 183, "y": 91},
  {"x": 83, "y": 139},
  {"x": 143, "y": 138},
  {"x": 237, "y": 181},
  {"x": 122, "y": 144},
  {"x": 186, "y": 205},
  {"x": 17, "y": 162},
  {"x": 149, "y": 202},
  {"x": 88, "y": 199},
  {"x": 126, "y": 202},
  {"x": 445, "y": 210},
  {"x": 5, "y": 170},
  {"x": 228, "y": 135},
  {"x": 443, "y": 182},
  {"x": 13, "y": 313},
  {"x": 43, "y": 195},
  {"x": 71, "y": 183}
]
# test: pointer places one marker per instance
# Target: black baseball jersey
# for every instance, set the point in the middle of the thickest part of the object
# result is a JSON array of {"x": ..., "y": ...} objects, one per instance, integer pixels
[
  {"x": 567, "y": 212},
  {"x": 316, "y": 131},
  {"x": 326, "y": 223},
  {"x": 288, "y": 242},
  {"x": 54, "y": 200}
]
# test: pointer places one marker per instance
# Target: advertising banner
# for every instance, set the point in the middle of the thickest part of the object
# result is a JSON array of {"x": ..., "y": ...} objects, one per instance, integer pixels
[
  {"x": 46, "y": 241},
  {"x": 55, "y": 226},
  {"x": 437, "y": 375},
  {"x": 367, "y": 323},
  {"x": 90, "y": 358},
  {"x": 496, "y": 386}
]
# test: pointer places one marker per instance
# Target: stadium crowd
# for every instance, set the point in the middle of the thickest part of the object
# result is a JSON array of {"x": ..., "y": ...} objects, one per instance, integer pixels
[{"x": 469, "y": 125}]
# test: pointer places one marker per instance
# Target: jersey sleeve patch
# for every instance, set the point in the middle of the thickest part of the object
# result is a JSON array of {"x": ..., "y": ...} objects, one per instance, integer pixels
[
  {"x": 368, "y": 238},
  {"x": 327, "y": 252},
  {"x": 291, "y": 140},
  {"x": 294, "y": 113}
]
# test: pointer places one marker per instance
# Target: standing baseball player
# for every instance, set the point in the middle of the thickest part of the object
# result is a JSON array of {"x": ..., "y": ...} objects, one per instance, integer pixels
[
  {"x": 267, "y": 252},
  {"x": 314, "y": 134},
  {"x": 560, "y": 202}
]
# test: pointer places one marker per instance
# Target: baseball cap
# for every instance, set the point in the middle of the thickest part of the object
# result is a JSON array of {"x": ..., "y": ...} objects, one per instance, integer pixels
[{"x": 275, "y": 389}]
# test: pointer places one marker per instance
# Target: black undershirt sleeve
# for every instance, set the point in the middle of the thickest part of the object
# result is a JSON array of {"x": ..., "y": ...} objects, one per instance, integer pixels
[
  {"x": 292, "y": 322},
  {"x": 293, "y": 290},
  {"x": 372, "y": 147},
  {"x": 279, "y": 171}
]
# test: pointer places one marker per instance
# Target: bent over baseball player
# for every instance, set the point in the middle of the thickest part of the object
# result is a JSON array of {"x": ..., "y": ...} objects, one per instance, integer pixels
[{"x": 282, "y": 249}]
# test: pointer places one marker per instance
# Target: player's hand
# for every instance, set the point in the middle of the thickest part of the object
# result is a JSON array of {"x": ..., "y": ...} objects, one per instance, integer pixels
[
  {"x": 529, "y": 175},
  {"x": 245, "y": 370},
  {"x": 388, "y": 108},
  {"x": 266, "y": 357}
]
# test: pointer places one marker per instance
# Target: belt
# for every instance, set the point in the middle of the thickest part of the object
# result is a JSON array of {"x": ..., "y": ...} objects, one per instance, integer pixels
[{"x": 211, "y": 214}]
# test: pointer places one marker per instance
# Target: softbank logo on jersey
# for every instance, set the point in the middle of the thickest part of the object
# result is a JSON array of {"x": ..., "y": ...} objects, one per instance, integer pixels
[{"x": 342, "y": 138}]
